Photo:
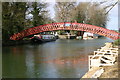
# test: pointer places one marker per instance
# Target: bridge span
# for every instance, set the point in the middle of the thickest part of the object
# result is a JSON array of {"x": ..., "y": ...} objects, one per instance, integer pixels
[{"x": 66, "y": 26}]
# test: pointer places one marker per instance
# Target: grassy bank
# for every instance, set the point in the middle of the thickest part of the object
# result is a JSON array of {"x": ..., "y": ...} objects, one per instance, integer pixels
[{"x": 116, "y": 42}]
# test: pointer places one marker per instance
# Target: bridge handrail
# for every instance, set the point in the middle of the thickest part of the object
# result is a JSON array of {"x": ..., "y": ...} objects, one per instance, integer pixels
[{"x": 73, "y": 26}]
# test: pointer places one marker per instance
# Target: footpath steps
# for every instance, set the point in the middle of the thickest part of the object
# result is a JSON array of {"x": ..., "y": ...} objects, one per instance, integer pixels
[{"x": 105, "y": 56}]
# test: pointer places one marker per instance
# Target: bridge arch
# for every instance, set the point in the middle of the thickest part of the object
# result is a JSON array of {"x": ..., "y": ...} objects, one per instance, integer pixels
[{"x": 66, "y": 26}]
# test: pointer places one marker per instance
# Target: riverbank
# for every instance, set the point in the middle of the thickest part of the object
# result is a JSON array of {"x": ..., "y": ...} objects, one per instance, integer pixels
[
  {"x": 102, "y": 65},
  {"x": 23, "y": 42},
  {"x": 13, "y": 43},
  {"x": 32, "y": 40},
  {"x": 112, "y": 71}
]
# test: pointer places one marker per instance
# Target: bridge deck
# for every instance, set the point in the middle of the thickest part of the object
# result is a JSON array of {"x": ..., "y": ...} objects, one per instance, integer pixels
[{"x": 61, "y": 26}]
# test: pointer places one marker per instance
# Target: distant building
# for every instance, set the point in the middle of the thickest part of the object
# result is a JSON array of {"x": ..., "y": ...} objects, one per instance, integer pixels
[{"x": 88, "y": 35}]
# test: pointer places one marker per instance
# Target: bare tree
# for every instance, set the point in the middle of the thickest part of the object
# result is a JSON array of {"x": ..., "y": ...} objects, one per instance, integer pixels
[
  {"x": 62, "y": 10},
  {"x": 90, "y": 13}
]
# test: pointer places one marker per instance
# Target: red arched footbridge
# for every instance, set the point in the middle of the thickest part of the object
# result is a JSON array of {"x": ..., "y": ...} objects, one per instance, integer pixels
[{"x": 66, "y": 26}]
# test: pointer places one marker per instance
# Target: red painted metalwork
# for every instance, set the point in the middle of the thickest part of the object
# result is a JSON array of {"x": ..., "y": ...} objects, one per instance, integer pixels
[{"x": 66, "y": 26}]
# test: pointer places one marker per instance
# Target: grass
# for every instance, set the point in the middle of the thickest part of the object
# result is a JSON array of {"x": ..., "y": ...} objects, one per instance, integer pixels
[{"x": 116, "y": 42}]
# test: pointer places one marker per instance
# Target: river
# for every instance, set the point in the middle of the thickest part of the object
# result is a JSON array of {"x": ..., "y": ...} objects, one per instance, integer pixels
[{"x": 58, "y": 59}]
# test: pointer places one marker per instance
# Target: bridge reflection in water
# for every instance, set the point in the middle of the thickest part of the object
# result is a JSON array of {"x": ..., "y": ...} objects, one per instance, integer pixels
[{"x": 59, "y": 59}]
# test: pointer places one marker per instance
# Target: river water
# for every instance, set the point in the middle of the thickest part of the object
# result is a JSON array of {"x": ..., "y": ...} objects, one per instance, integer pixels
[{"x": 58, "y": 59}]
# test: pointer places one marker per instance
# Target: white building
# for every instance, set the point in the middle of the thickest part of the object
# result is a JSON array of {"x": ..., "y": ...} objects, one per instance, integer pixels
[{"x": 88, "y": 35}]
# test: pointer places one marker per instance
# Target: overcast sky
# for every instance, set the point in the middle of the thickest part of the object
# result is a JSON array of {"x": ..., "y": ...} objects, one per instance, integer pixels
[
  {"x": 113, "y": 14},
  {"x": 113, "y": 18}
]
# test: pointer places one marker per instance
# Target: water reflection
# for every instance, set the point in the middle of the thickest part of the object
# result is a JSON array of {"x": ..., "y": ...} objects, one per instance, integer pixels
[
  {"x": 30, "y": 64},
  {"x": 59, "y": 59}
]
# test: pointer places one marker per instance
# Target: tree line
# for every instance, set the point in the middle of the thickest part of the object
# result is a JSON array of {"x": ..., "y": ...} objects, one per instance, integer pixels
[
  {"x": 15, "y": 15},
  {"x": 84, "y": 12}
]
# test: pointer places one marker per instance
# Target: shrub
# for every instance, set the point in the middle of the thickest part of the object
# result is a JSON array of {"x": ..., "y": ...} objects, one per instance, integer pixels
[
  {"x": 116, "y": 42},
  {"x": 26, "y": 38}
]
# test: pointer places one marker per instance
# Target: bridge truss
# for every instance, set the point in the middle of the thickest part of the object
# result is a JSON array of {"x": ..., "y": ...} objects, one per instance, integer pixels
[{"x": 66, "y": 26}]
